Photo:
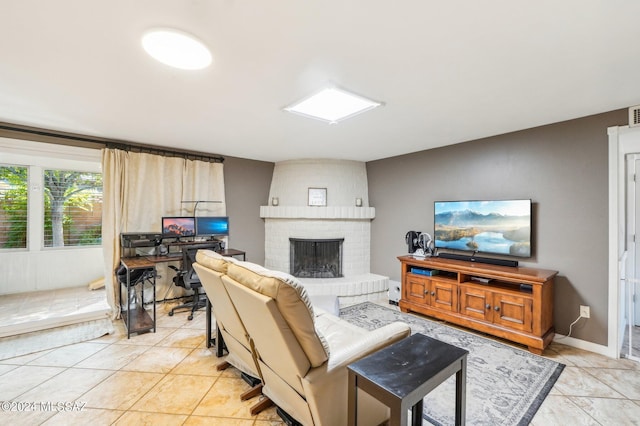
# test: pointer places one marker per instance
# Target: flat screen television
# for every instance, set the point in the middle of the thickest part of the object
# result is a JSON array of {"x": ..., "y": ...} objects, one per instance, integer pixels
[
  {"x": 212, "y": 226},
  {"x": 178, "y": 226},
  {"x": 496, "y": 227}
]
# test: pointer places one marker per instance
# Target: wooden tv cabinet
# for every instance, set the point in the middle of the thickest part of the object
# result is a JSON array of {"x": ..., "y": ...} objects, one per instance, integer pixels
[{"x": 513, "y": 303}]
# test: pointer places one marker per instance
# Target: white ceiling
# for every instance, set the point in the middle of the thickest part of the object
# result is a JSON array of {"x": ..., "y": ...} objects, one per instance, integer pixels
[{"x": 447, "y": 71}]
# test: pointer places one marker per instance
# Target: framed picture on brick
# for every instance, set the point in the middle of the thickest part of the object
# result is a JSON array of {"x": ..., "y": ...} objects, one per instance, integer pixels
[{"x": 317, "y": 196}]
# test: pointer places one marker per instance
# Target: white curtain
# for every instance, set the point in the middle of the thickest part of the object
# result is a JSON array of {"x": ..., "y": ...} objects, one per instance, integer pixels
[{"x": 140, "y": 188}]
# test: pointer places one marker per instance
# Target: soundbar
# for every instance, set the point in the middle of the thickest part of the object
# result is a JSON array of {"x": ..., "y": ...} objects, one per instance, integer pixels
[{"x": 489, "y": 260}]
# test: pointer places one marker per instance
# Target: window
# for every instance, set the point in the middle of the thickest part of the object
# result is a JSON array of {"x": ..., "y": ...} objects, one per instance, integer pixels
[
  {"x": 70, "y": 213},
  {"x": 13, "y": 214},
  {"x": 73, "y": 208}
]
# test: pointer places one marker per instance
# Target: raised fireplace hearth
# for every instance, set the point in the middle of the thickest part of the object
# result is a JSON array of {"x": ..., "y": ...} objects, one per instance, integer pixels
[{"x": 311, "y": 258}]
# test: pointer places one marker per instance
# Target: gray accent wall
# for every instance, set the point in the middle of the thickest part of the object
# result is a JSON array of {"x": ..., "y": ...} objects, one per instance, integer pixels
[
  {"x": 561, "y": 167},
  {"x": 247, "y": 185}
]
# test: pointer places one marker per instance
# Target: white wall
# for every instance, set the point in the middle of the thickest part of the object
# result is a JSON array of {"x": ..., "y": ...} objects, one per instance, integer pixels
[
  {"x": 47, "y": 270},
  {"x": 345, "y": 181},
  {"x": 562, "y": 167},
  {"x": 37, "y": 267}
]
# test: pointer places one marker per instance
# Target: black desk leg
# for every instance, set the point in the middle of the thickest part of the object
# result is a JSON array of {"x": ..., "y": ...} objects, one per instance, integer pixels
[
  {"x": 218, "y": 341},
  {"x": 128, "y": 303},
  {"x": 209, "y": 342}
]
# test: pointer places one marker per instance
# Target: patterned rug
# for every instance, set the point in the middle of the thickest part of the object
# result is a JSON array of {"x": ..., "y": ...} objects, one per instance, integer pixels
[{"x": 505, "y": 385}]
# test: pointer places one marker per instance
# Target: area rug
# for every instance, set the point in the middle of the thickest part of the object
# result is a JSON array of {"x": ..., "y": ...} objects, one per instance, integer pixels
[{"x": 505, "y": 385}]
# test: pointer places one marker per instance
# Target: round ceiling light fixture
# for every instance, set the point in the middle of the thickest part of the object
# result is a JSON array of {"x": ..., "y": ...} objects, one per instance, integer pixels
[{"x": 176, "y": 48}]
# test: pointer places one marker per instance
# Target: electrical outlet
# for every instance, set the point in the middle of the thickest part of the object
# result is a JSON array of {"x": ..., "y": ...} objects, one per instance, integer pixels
[{"x": 585, "y": 311}]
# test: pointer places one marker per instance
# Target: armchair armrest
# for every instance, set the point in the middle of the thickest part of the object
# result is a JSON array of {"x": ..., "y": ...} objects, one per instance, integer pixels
[
  {"x": 368, "y": 344},
  {"x": 359, "y": 348},
  {"x": 326, "y": 385}
]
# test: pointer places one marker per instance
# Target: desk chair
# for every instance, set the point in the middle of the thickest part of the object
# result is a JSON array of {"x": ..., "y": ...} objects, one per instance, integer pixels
[{"x": 188, "y": 279}]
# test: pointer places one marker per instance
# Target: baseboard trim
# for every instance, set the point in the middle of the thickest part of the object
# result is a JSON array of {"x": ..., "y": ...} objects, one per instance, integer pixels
[{"x": 583, "y": 344}]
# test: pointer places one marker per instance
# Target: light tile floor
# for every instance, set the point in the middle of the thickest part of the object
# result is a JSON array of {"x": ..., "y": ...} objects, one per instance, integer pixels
[{"x": 169, "y": 377}]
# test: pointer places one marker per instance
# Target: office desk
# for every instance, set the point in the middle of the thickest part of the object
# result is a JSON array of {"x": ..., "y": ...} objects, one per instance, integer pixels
[
  {"x": 177, "y": 256},
  {"x": 233, "y": 252},
  {"x": 211, "y": 341}
]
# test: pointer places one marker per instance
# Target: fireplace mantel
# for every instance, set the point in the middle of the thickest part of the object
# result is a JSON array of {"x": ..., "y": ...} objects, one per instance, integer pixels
[{"x": 306, "y": 212}]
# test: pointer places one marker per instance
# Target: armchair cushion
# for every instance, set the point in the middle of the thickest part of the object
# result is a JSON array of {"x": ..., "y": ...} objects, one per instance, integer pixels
[{"x": 292, "y": 301}]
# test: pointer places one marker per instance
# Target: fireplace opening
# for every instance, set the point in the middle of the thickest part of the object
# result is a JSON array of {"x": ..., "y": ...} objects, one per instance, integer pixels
[{"x": 316, "y": 258}]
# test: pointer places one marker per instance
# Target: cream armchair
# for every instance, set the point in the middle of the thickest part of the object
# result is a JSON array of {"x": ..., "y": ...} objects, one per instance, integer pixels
[
  {"x": 301, "y": 357},
  {"x": 210, "y": 267}
]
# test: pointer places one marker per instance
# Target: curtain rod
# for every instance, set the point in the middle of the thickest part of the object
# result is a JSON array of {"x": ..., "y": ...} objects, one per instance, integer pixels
[
  {"x": 94, "y": 142},
  {"x": 145, "y": 149}
]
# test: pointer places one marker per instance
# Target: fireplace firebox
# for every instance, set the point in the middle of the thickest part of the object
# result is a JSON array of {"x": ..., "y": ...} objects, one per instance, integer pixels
[{"x": 313, "y": 258}]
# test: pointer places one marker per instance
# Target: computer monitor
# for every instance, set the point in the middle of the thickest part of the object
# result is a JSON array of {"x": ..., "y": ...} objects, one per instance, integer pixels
[
  {"x": 209, "y": 226},
  {"x": 178, "y": 226}
]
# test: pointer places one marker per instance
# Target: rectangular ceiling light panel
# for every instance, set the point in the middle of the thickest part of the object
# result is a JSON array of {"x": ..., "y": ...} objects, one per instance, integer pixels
[{"x": 332, "y": 105}]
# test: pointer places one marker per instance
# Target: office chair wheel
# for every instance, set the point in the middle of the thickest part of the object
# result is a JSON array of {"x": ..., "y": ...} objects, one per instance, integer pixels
[
  {"x": 170, "y": 313},
  {"x": 190, "y": 317}
]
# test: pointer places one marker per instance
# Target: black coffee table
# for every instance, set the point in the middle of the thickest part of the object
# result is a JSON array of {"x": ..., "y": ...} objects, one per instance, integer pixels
[{"x": 402, "y": 374}]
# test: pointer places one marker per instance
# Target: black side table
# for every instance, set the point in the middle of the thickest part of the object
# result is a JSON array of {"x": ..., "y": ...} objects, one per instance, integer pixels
[{"x": 402, "y": 374}]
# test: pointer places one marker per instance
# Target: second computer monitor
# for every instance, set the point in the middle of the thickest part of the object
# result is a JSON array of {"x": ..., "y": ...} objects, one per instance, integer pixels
[{"x": 207, "y": 226}]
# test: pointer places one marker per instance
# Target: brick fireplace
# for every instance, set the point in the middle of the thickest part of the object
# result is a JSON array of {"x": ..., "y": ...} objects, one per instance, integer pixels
[{"x": 346, "y": 217}]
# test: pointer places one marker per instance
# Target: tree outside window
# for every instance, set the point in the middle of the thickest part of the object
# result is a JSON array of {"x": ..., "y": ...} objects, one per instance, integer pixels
[
  {"x": 72, "y": 205},
  {"x": 13, "y": 199}
]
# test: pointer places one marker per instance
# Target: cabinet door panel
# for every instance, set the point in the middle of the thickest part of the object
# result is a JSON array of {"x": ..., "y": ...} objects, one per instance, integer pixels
[
  {"x": 444, "y": 296},
  {"x": 476, "y": 303},
  {"x": 513, "y": 311},
  {"x": 417, "y": 289}
]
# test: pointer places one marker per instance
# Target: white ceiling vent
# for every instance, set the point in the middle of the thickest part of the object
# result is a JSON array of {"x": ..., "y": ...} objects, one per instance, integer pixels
[{"x": 634, "y": 116}]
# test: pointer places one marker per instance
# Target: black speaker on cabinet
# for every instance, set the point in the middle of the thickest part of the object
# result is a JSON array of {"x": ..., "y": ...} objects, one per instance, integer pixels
[
  {"x": 477, "y": 259},
  {"x": 454, "y": 256}
]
